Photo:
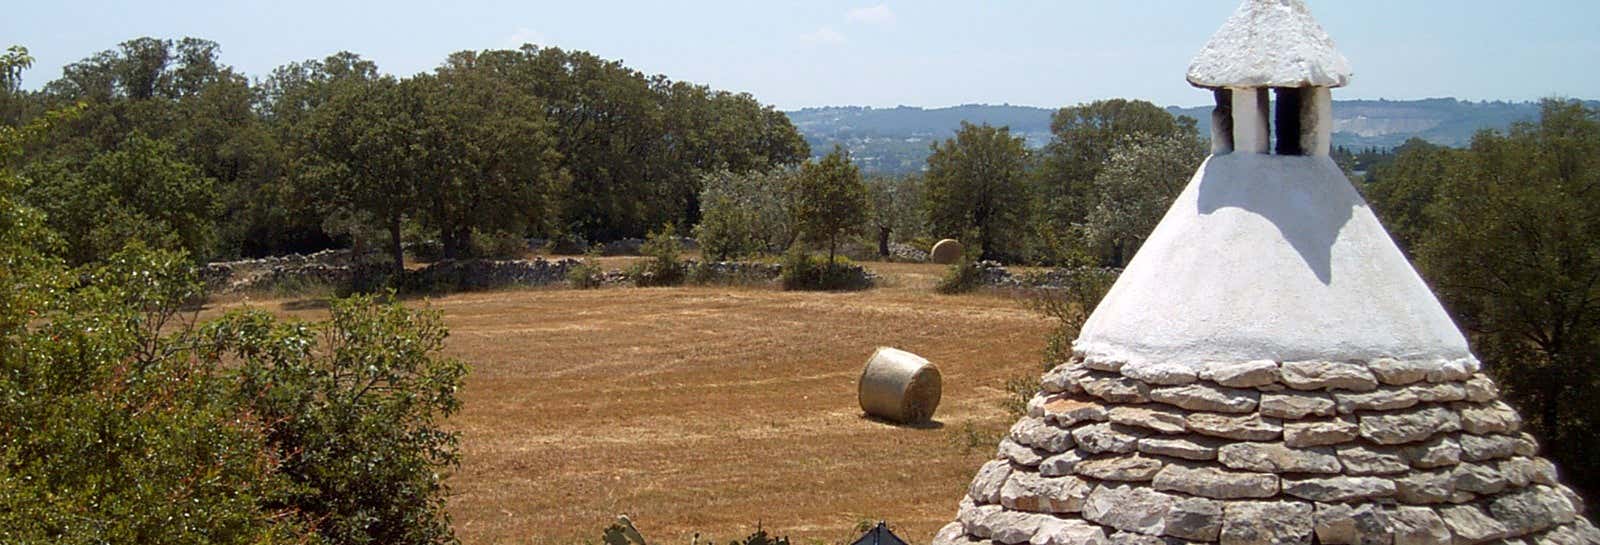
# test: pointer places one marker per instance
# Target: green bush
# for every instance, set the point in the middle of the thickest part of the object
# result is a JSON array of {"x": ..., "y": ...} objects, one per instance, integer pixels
[
  {"x": 587, "y": 274},
  {"x": 664, "y": 266},
  {"x": 803, "y": 271},
  {"x": 960, "y": 277},
  {"x": 499, "y": 245}
]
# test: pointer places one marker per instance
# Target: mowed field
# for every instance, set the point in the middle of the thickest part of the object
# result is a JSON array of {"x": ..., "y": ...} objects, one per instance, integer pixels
[{"x": 713, "y": 409}]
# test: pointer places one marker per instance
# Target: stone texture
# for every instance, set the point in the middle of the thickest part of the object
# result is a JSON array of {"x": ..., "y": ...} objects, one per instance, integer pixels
[
  {"x": 1020, "y": 454},
  {"x": 1425, "y": 487},
  {"x": 1480, "y": 448},
  {"x": 1069, "y": 532},
  {"x": 1486, "y": 418},
  {"x": 1068, "y": 411},
  {"x": 1360, "y": 460},
  {"x": 1266, "y": 523},
  {"x": 1015, "y": 527},
  {"x": 1450, "y": 371},
  {"x": 985, "y": 487},
  {"x": 1314, "y": 433},
  {"x": 1212, "y": 482},
  {"x": 1154, "y": 417},
  {"x": 952, "y": 534},
  {"x": 1117, "y": 389},
  {"x": 1109, "y": 365},
  {"x": 1250, "y": 374},
  {"x": 1520, "y": 472},
  {"x": 976, "y": 518},
  {"x": 1327, "y": 375},
  {"x": 1106, "y": 438},
  {"x": 1296, "y": 405},
  {"x": 1247, "y": 427},
  {"x": 1418, "y": 526},
  {"x": 1059, "y": 380},
  {"x": 1130, "y": 468},
  {"x": 1027, "y": 491},
  {"x": 1408, "y": 426},
  {"x": 1197, "y": 519},
  {"x": 1533, "y": 509},
  {"x": 1527, "y": 445},
  {"x": 1443, "y": 392},
  {"x": 1440, "y": 451},
  {"x": 1188, "y": 448},
  {"x": 1338, "y": 489},
  {"x": 1478, "y": 479},
  {"x": 1034, "y": 432},
  {"x": 1383, "y": 399},
  {"x": 1470, "y": 524},
  {"x": 1399, "y": 372},
  {"x": 1062, "y": 464},
  {"x": 1364, "y": 524},
  {"x": 1277, "y": 458},
  {"x": 1205, "y": 397},
  {"x": 1161, "y": 373},
  {"x": 1480, "y": 389},
  {"x": 1131, "y": 508}
]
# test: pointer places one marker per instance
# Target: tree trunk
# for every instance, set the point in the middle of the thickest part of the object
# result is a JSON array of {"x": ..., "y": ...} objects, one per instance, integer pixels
[
  {"x": 395, "y": 251},
  {"x": 883, "y": 241}
]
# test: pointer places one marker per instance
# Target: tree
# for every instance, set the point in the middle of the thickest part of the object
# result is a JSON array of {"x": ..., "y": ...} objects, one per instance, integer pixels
[
  {"x": 977, "y": 181},
  {"x": 745, "y": 214},
  {"x": 830, "y": 202},
  {"x": 1402, "y": 189},
  {"x": 1506, "y": 236},
  {"x": 896, "y": 206},
  {"x": 1082, "y": 139},
  {"x": 1138, "y": 183},
  {"x": 488, "y": 161}
]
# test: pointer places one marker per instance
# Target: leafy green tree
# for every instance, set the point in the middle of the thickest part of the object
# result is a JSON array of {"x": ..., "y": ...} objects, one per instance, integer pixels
[
  {"x": 1402, "y": 189},
  {"x": 830, "y": 202},
  {"x": 896, "y": 206},
  {"x": 1083, "y": 137},
  {"x": 139, "y": 191},
  {"x": 745, "y": 214},
  {"x": 978, "y": 181},
  {"x": 1137, "y": 185},
  {"x": 1508, "y": 241},
  {"x": 13, "y": 63},
  {"x": 487, "y": 159}
]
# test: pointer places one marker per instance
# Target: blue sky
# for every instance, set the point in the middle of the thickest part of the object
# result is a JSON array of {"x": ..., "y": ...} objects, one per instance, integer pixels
[{"x": 822, "y": 52}]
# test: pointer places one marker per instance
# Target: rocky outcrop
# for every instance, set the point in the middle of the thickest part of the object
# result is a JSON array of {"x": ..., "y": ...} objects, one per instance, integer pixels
[{"x": 1381, "y": 452}]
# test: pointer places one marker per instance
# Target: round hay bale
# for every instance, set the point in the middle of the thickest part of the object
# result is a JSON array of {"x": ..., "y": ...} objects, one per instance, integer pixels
[
  {"x": 946, "y": 251},
  {"x": 900, "y": 386}
]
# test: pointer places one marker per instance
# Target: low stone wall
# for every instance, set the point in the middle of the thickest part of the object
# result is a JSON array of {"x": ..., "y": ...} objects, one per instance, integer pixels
[
  {"x": 993, "y": 274},
  {"x": 296, "y": 273}
]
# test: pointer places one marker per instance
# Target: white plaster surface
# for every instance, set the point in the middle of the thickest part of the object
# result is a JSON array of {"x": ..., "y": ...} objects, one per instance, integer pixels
[
  {"x": 1270, "y": 43},
  {"x": 1269, "y": 257}
]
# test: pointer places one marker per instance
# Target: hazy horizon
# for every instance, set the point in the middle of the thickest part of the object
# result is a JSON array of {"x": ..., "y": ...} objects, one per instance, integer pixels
[{"x": 881, "y": 54}]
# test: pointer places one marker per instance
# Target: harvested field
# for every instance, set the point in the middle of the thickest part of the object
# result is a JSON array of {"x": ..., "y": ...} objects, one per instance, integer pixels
[{"x": 713, "y": 409}]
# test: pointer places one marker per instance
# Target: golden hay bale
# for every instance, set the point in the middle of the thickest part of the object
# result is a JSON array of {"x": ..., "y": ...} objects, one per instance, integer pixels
[
  {"x": 946, "y": 251},
  {"x": 900, "y": 386}
]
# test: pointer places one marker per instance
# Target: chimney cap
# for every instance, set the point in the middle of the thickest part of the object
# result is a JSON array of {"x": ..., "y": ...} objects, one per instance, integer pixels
[{"x": 1270, "y": 43}]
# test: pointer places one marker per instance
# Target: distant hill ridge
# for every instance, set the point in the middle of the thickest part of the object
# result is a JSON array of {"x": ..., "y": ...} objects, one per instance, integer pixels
[{"x": 896, "y": 139}]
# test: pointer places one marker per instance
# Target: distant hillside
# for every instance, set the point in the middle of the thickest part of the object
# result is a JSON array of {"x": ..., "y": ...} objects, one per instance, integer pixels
[{"x": 896, "y": 140}]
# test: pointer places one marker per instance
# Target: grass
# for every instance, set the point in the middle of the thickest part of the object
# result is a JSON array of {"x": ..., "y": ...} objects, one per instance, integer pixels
[{"x": 711, "y": 409}]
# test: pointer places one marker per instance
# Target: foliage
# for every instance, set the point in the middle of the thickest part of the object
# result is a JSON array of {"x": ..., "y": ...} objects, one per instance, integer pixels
[
  {"x": 138, "y": 191},
  {"x": 587, "y": 274},
  {"x": 830, "y": 202},
  {"x": 962, "y": 276},
  {"x": 1083, "y": 139},
  {"x": 803, "y": 271},
  {"x": 1070, "y": 306},
  {"x": 896, "y": 208},
  {"x": 1135, "y": 187},
  {"x": 744, "y": 215},
  {"x": 1505, "y": 231},
  {"x": 976, "y": 181},
  {"x": 664, "y": 266}
]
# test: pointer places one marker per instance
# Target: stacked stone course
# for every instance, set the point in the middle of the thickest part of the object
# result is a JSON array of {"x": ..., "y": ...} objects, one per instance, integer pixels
[{"x": 1379, "y": 452}]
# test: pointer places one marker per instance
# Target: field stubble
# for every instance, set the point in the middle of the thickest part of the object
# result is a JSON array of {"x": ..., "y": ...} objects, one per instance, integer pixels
[{"x": 713, "y": 409}]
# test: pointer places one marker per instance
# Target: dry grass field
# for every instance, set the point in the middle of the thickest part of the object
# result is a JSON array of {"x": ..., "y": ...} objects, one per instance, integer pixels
[{"x": 713, "y": 409}]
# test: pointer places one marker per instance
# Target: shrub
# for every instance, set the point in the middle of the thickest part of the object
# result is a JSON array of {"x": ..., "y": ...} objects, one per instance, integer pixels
[
  {"x": 1070, "y": 305},
  {"x": 663, "y": 266},
  {"x": 803, "y": 271},
  {"x": 587, "y": 274},
  {"x": 960, "y": 277},
  {"x": 499, "y": 245},
  {"x": 742, "y": 215}
]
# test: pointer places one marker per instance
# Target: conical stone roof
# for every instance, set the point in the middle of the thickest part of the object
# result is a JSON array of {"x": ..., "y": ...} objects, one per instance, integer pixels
[
  {"x": 1269, "y": 369},
  {"x": 1270, "y": 43}
]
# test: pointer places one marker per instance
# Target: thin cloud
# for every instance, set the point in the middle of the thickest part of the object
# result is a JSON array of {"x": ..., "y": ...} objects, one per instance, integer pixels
[
  {"x": 875, "y": 15},
  {"x": 824, "y": 35},
  {"x": 525, "y": 35}
]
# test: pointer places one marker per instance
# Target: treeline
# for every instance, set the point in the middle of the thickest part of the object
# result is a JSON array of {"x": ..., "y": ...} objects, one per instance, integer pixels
[
  {"x": 1088, "y": 198},
  {"x": 1505, "y": 231},
  {"x": 170, "y": 146}
]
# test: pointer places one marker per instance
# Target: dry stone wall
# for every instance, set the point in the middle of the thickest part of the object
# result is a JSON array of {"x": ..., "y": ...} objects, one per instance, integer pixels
[{"x": 1380, "y": 452}]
